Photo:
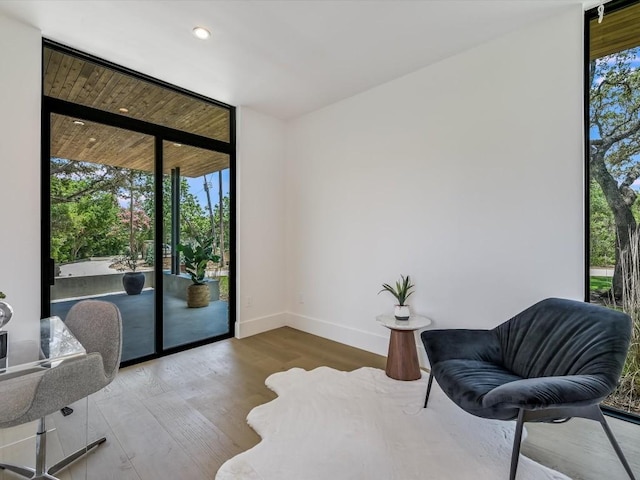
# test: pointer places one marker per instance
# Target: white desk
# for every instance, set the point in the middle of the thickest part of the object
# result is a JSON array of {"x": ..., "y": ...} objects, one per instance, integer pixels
[{"x": 56, "y": 343}]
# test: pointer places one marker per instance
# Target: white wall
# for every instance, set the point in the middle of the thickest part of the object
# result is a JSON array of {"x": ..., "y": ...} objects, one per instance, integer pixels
[
  {"x": 466, "y": 175},
  {"x": 20, "y": 52},
  {"x": 260, "y": 223}
]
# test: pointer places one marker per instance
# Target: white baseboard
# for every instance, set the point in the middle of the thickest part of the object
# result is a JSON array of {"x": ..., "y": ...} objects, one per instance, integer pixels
[
  {"x": 370, "y": 342},
  {"x": 254, "y": 326}
]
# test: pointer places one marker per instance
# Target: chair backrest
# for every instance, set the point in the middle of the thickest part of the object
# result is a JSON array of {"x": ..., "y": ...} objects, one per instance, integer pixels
[
  {"x": 98, "y": 326},
  {"x": 566, "y": 337},
  {"x": 42, "y": 391}
]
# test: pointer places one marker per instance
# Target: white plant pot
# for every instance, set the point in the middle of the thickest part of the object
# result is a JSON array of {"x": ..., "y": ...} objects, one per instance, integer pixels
[{"x": 401, "y": 312}]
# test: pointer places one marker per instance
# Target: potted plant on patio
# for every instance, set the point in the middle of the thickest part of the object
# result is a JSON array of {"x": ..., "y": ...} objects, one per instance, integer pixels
[
  {"x": 132, "y": 281},
  {"x": 196, "y": 257},
  {"x": 401, "y": 292}
]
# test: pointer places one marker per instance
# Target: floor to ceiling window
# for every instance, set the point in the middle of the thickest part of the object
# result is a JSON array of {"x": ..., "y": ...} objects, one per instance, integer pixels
[
  {"x": 613, "y": 163},
  {"x": 138, "y": 191}
]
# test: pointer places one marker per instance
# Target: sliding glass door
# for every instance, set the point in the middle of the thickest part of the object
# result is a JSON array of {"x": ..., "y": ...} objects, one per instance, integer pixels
[
  {"x": 102, "y": 224},
  {"x": 138, "y": 201},
  {"x": 196, "y": 244}
]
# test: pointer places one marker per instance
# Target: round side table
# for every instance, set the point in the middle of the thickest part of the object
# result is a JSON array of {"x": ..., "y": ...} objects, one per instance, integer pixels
[{"x": 402, "y": 359}]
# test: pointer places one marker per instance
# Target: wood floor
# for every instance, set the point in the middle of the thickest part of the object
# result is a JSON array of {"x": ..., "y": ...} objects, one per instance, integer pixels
[{"x": 182, "y": 416}]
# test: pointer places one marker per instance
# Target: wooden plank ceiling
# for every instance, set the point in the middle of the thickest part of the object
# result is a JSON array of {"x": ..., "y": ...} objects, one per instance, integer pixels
[
  {"x": 79, "y": 81},
  {"x": 619, "y": 30}
]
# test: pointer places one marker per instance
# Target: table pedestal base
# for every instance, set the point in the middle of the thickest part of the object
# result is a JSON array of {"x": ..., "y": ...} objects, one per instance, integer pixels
[{"x": 402, "y": 359}]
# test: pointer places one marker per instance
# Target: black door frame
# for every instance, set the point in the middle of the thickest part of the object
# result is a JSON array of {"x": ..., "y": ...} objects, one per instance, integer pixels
[{"x": 160, "y": 133}]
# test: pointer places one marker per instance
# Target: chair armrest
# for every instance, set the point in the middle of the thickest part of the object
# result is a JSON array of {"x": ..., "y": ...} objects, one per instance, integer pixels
[
  {"x": 462, "y": 344},
  {"x": 545, "y": 392}
]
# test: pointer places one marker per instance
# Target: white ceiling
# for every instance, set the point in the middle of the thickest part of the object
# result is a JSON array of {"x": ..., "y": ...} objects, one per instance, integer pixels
[{"x": 283, "y": 58}]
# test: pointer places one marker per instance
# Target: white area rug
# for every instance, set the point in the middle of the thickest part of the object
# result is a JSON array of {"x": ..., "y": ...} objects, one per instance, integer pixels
[{"x": 333, "y": 425}]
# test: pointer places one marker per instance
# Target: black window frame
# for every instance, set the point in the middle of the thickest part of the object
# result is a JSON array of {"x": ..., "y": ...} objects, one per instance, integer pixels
[{"x": 159, "y": 133}]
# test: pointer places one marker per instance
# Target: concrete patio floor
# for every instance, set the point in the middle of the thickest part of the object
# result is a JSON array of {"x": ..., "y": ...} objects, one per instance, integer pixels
[{"x": 182, "y": 325}]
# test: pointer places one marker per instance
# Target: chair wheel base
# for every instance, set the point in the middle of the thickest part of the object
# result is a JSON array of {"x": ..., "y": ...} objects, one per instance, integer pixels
[{"x": 30, "y": 473}]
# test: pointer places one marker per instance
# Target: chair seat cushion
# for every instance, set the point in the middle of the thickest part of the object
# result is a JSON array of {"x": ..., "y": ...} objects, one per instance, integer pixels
[{"x": 466, "y": 382}]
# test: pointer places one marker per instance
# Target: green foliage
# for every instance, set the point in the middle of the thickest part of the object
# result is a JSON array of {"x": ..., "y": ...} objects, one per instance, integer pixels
[
  {"x": 196, "y": 257},
  {"x": 226, "y": 214},
  {"x": 84, "y": 228},
  {"x": 128, "y": 261},
  {"x": 98, "y": 210},
  {"x": 600, "y": 284},
  {"x": 224, "y": 288},
  {"x": 193, "y": 219},
  {"x": 603, "y": 229},
  {"x": 150, "y": 256},
  {"x": 401, "y": 291}
]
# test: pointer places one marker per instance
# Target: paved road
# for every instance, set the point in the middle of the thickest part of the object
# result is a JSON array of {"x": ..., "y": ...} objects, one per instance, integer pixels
[
  {"x": 601, "y": 272},
  {"x": 95, "y": 266}
]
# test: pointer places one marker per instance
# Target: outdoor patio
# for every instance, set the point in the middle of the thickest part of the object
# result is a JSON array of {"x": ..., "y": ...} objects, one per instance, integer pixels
[{"x": 182, "y": 325}]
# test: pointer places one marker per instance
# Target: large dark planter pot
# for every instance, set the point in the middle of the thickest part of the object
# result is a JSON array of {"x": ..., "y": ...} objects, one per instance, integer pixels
[{"x": 133, "y": 282}]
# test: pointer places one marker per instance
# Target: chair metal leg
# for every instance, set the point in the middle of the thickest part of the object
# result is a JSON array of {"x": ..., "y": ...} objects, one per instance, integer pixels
[
  {"x": 426, "y": 399},
  {"x": 41, "y": 448},
  {"x": 517, "y": 440},
  {"x": 615, "y": 445},
  {"x": 39, "y": 473},
  {"x": 550, "y": 415},
  {"x": 25, "y": 472},
  {"x": 68, "y": 460}
]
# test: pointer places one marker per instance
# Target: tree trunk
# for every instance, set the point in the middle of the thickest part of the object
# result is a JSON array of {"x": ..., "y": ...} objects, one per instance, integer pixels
[{"x": 619, "y": 200}]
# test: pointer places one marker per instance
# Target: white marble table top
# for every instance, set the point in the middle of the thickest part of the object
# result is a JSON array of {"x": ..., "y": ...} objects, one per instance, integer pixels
[{"x": 415, "y": 322}]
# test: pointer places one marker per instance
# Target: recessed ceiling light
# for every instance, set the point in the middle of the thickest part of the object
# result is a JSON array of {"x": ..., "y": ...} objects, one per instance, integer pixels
[
  {"x": 78, "y": 122},
  {"x": 123, "y": 110},
  {"x": 92, "y": 139},
  {"x": 177, "y": 144},
  {"x": 201, "y": 33}
]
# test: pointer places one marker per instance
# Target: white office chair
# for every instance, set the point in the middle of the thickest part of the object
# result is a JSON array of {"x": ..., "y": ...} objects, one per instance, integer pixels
[{"x": 43, "y": 391}]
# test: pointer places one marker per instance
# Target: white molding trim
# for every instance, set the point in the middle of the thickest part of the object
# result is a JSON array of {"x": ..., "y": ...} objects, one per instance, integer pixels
[
  {"x": 253, "y": 326},
  {"x": 370, "y": 342},
  {"x": 354, "y": 337}
]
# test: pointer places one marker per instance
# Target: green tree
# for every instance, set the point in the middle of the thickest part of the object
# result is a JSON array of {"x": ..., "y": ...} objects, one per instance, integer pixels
[
  {"x": 133, "y": 217},
  {"x": 193, "y": 219},
  {"x": 84, "y": 209},
  {"x": 226, "y": 215},
  {"x": 615, "y": 142},
  {"x": 602, "y": 227},
  {"x": 72, "y": 180}
]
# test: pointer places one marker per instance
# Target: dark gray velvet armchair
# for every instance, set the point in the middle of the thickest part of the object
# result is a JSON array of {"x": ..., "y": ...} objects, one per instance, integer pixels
[{"x": 555, "y": 360}]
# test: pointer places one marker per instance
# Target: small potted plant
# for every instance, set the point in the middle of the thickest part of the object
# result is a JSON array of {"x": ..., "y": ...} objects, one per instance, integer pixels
[
  {"x": 196, "y": 258},
  {"x": 132, "y": 281},
  {"x": 401, "y": 292}
]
